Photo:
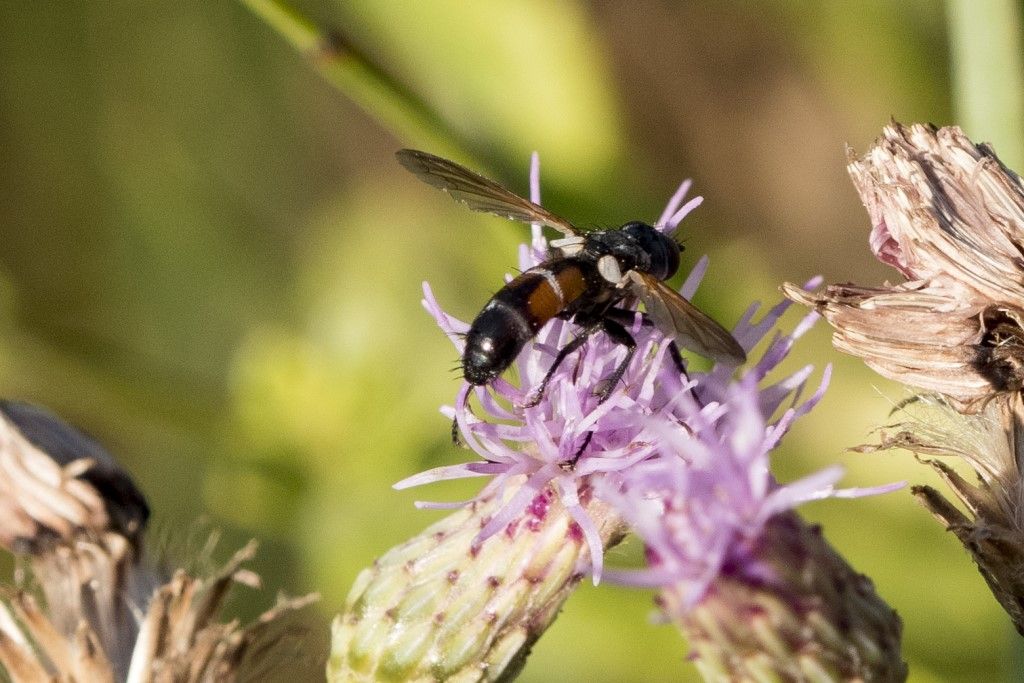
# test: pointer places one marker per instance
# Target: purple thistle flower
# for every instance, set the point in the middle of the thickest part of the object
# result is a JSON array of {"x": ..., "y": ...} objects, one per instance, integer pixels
[
  {"x": 702, "y": 507},
  {"x": 661, "y": 449}
]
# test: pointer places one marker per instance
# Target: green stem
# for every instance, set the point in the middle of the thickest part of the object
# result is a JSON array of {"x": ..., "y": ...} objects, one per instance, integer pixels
[
  {"x": 988, "y": 73},
  {"x": 382, "y": 97}
]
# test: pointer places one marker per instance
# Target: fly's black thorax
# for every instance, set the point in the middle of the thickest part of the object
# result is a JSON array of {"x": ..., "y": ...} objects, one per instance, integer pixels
[{"x": 636, "y": 246}]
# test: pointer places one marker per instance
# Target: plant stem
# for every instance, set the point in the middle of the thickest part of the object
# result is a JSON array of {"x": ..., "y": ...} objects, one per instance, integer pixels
[
  {"x": 377, "y": 93},
  {"x": 988, "y": 73}
]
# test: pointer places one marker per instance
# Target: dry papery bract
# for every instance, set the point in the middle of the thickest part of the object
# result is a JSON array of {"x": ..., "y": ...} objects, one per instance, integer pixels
[
  {"x": 88, "y": 606},
  {"x": 950, "y": 218},
  {"x": 991, "y": 524}
]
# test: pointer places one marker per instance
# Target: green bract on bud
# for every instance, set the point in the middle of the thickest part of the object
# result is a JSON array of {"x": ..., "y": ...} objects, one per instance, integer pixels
[{"x": 442, "y": 606}]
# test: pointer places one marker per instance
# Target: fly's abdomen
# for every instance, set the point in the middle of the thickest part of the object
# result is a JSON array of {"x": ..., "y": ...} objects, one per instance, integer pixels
[{"x": 516, "y": 313}]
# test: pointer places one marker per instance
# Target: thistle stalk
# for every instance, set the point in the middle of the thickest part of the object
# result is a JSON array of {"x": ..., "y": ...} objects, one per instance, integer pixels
[{"x": 353, "y": 73}]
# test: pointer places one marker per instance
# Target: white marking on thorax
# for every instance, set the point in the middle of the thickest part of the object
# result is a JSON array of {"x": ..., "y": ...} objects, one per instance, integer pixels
[
  {"x": 608, "y": 267},
  {"x": 566, "y": 241}
]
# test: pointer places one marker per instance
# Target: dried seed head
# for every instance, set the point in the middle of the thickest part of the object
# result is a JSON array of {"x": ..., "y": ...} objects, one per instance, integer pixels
[
  {"x": 945, "y": 211},
  {"x": 67, "y": 505},
  {"x": 910, "y": 334},
  {"x": 950, "y": 217},
  {"x": 33, "y": 431},
  {"x": 990, "y": 524}
]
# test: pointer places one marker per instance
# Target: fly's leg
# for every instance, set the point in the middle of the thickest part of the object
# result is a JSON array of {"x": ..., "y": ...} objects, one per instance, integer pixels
[
  {"x": 626, "y": 317},
  {"x": 570, "y": 465},
  {"x": 562, "y": 355},
  {"x": 456, "y": 439},
  {"x": 677, "y": 358},
  {"x": 618, "y": 334}
]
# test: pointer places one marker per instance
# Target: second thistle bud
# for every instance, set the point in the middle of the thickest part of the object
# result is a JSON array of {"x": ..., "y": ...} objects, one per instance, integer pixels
[
  {"x": 796, "y": 611},
  {"x": 443, "y": 607}
]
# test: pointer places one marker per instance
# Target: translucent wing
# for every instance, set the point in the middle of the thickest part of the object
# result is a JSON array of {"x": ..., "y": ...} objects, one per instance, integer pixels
[
  {"x": 676, "y": 317},
  {"x": 477, "y": 192}
]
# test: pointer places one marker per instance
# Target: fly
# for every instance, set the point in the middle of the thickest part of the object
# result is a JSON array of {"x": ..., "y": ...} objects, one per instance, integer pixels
[{"x": 586, "y": 277}]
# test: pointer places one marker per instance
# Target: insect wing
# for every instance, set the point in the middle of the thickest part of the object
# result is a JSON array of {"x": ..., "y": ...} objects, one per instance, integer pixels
[
  {"x": 678, "y": 318},
  {"x": 477, "y": 192}
]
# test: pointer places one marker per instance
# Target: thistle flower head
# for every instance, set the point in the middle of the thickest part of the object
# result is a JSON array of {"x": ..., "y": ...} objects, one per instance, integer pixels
[
  {"x": 664, "y": 436},
  {"x": 680, "y": 455},
  {"x": 537, "y": 441}
]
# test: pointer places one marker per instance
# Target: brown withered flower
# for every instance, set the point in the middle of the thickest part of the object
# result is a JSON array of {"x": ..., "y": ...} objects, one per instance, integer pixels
[
  {"x": 96, "y": 609},
  {"x": 949, "y": 216}
]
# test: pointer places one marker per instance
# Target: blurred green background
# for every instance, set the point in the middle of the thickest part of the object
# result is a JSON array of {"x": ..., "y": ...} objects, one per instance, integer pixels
[{"x": 210, "y": 260}]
